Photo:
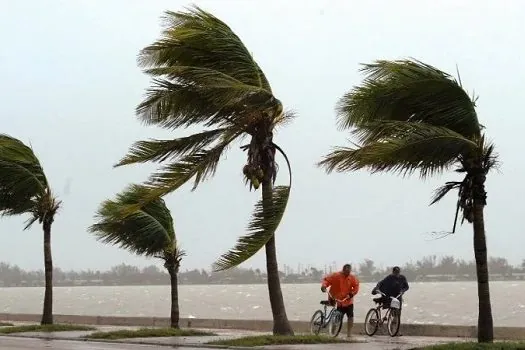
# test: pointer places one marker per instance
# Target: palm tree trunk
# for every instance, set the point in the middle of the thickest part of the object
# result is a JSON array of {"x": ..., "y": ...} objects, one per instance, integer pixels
[
  {"x": 485, "y": 322},
  {"x": 47, "y": 315},
  {"x": 174, "y": 316},
  {"x": 281, "y": 325}
]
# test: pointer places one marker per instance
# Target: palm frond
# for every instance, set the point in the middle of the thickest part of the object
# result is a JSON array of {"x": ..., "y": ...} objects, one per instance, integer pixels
[
  {"x": 173, "y": 105},
  {"x": 287, "y": 160},
  {"x": 490, "y": 157},
  {"x": 22, "y": 179},
  {"x": 203, "y": 74},
  {"x": 32, "y": 219},
  {"x": 17, "y": 197},
  {"x": 264, "y": 223},
  {"x": 16, "y": 150},
  {"x": 442, "y": 191},
  {"x": 408, "y": 90},
  {"x": 286, "y": 117},
  {"x": 196, "y": 38},
  {"x": 463, "y": 203},
  {"x": 219, "y": 87},
  {"x": 210, "y": 101},
  {"x": 162, "y": 150},
  {"x": 198, "y": 165},
  {"x": 148, "y": 230},
  {"x": 422, "y": 147},
  {"x": 380, "y": 131}
]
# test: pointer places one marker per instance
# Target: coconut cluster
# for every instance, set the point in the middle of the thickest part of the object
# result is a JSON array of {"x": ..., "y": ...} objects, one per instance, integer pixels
[{"x": 254, "y": 174}]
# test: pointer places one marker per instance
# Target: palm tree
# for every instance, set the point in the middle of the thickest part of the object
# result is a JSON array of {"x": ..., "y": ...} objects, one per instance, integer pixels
[
  {"x": 203, "y": 75},
  {"x": 24, "y": 189},
  {"x": 147, "y": 231},
  {"x": 409, "y": 116}
]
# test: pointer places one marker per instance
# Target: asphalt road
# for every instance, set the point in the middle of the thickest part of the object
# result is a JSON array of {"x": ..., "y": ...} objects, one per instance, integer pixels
[{"x": 8, "y": 343}]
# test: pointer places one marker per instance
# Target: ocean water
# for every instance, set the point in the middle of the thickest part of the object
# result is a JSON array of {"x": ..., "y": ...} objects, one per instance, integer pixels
[{"x": 425, "y": 303}]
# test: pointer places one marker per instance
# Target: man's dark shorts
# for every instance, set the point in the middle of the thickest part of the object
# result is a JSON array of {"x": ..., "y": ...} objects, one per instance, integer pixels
[{"x": 347, "y": 310}]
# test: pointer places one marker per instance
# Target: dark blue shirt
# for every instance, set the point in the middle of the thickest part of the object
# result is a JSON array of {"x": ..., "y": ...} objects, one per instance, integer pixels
[{"x": 393, "y": 285}]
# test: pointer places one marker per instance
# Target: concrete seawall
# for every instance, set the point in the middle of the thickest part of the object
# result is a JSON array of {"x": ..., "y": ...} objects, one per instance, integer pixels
[{"x": 507, "y": 333}]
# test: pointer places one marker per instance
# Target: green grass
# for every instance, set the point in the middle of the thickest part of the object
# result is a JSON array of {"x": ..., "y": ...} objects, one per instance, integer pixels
[
  {"x": 262, "y": 340},
  {"x": 148, "y": 333},
  {"x": 476, "y": 346},
  {"x": 5, "y": 324},
  {"x": 45, "y": 328}
]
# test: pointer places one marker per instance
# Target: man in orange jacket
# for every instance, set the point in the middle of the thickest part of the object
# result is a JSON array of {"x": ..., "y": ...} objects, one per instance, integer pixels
[{"x": 343, "y": 286}]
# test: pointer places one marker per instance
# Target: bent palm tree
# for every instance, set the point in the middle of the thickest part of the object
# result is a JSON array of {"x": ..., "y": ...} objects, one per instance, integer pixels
[
  {"x": 204, "y": 75},
  {"x": 24, "y": 189},
  {"x": 147, "y": 231},
  {"x": 408, "y": 117}
]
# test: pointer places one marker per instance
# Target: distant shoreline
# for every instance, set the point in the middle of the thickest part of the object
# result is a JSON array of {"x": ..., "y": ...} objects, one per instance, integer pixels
[
  {"x": 427, "y": 269},
  {"x": 226, "y": 283}
]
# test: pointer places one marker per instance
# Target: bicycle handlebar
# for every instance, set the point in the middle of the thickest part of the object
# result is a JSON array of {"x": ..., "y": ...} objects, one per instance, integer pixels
[
  {"x": 398, "y": 296},
  {"x": 337, "y": 300}
]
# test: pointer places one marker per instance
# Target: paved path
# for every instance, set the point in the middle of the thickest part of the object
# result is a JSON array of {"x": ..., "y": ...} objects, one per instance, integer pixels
[
  {"x": 25, "y": 341},
  {"x": 365, "y": 343},
  {"x": 64, "y": 341},
  {"x": 11, "y": 343}
]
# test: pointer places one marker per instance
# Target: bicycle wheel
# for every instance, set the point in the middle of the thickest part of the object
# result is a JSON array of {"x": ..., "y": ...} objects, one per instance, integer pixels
[
  {"x": 335, "y": 324},
  {"x": 316, "y": 323},
  {"x": 371, "y": 322},
  {"x": 393, "y": 322}
]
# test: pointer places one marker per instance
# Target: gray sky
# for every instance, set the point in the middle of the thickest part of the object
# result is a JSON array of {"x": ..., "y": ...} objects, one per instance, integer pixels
[{"x": 69, "y": 84}]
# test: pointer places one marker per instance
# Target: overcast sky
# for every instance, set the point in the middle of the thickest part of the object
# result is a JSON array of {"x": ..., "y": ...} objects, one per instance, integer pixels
[{"x": 69, "y": 84}]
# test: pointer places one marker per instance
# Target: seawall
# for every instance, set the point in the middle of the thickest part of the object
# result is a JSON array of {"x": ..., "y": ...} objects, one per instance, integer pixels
[{"x": 504, "y": 333}]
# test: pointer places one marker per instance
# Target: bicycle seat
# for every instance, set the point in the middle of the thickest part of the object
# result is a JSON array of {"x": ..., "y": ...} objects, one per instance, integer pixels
[{"x": 325, "y": 302}]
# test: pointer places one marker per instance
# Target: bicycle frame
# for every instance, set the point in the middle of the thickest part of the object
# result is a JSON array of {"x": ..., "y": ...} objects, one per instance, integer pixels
[
  {"x": 376, "y": 318},
  {"x": 324, "y": 318},
  {"x": 379, "y": 307},
  {"x": 382, "y": 319},
  {"x": 327, "y": 316}
]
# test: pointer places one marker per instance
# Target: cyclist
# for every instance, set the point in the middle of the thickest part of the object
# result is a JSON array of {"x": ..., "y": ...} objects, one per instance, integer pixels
[
  {"x": 392, "y": 285},
  {"x": 343, "y": 286}
]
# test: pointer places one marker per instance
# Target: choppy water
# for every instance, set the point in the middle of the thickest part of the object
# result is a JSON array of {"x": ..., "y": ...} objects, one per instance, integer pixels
[{"x": 428, "y": 303}]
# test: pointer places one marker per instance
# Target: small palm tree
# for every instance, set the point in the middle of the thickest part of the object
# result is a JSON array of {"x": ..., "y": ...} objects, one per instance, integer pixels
[
  {"x": 408, "y": 117},
  {"x": 147, "y": 231},
  {"x": 24, "y": 189},
  {"x": 203, "y": 75}
]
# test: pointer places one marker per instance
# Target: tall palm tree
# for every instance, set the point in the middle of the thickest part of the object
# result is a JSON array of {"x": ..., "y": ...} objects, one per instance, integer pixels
[
  {"x": 24, "y": 189},
  {"x": 147, "y": 231},
  {"x": 409, "y": 116},
  {"x": 203, "y": 75}
]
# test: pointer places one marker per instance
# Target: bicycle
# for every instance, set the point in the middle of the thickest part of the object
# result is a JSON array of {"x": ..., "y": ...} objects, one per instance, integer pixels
[
  {"x": 392, "y": 316},
  {"x": 322, "y": 318}
]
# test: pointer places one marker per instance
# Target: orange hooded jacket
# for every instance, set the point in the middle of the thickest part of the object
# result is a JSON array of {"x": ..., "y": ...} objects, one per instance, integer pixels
[{"x": 341, "y": 286}]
